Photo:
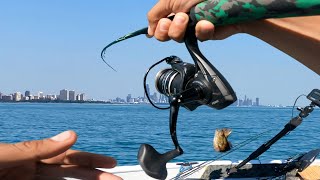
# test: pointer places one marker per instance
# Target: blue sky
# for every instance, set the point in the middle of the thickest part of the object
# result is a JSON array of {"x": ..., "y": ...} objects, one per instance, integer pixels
[{"x": 51, "y": 45}]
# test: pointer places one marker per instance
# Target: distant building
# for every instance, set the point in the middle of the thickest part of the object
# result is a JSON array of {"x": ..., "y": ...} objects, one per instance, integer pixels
[
  {"x": 163, "y": 99},
  {"x": 140, "y": 100},
  {"x": 148, "y": 91},
  {"x": 63, "y": 95},
  {"x": 27, "y": 93},
  {"x": 128, "y": 98},
  {"x": 17, "y": 96},
  {"x": 78, "y": 97},
  {"x": 41, "y": 95},
  {"x": 7, "y": 98},
  {"x": 51, "y": 97},
  {"x": 154, "y": 97},
  {"x": 82, "y": 97},
  {"x": 72, "y": 95},
  {"x": 0, "y": 96},
  {"x": 257, "y": 102},
  {"x": 118, "y": 100},
  {"x": 131, "y": 101},
  {"x": 31, "y": 97}
]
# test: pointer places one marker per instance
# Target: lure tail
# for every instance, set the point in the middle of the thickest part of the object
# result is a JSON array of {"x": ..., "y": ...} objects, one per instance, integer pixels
[{"x": 128, "y": 36}]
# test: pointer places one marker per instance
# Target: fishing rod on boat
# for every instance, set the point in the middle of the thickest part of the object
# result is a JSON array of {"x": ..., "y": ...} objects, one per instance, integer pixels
[
  {"x": 314, "y": 97},
  {"x": 192, "y": 85}
]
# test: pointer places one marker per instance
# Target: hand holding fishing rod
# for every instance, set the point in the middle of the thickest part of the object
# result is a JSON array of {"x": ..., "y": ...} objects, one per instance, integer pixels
[{"x": 219, "y": 13}]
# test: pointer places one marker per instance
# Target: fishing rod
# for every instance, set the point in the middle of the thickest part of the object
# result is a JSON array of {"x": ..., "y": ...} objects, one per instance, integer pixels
[
  {"x": 223, "y": 12},
  {"x": 314, "y": 97},
  {"x": 192, "y": 85}
]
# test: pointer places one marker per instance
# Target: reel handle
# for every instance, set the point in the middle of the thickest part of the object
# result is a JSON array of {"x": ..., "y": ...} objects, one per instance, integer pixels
[
  {"x": 222, "y": 12},
  {"x": 151, "y": 161}
]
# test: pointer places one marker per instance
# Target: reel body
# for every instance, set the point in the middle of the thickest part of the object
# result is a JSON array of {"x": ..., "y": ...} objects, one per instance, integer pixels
[{"x": 184, "y": 78}]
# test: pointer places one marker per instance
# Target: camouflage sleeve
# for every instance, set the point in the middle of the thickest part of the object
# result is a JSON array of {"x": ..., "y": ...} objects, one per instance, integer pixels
[{"x": 222, "y": 12}]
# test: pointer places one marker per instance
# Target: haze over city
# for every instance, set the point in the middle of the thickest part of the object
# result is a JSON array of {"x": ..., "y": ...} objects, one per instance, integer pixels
[{"x": 48, "y": 45}]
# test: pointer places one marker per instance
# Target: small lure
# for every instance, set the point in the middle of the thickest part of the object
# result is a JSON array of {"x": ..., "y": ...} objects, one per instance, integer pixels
[
  {"x": 130, "y": 35},
  {"x": 220, "y": 140}
]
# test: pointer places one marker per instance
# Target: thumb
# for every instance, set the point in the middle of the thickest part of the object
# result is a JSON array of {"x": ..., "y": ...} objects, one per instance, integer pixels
[{"x": 31, "y": 151}]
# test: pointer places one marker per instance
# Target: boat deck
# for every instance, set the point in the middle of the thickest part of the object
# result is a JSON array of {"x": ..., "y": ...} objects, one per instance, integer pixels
[{"x": 311, "y": 172}]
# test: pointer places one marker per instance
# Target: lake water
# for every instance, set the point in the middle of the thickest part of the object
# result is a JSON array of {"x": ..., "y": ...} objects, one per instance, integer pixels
[{"x": 118, "y": 130}]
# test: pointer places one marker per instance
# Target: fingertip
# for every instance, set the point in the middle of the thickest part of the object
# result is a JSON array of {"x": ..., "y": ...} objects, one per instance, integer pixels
[
  {"x": 73, "y": 134},
  {"x": 109, "y": 176},
  {"x": 204, "y": 30},
  {"x": 65, "y": 136},
  {"x": 113, "y": 162},
  {"x": 62, "y": 136},
  {"x": 108, "y": 162},
  {"x": 150, "y": 32}
]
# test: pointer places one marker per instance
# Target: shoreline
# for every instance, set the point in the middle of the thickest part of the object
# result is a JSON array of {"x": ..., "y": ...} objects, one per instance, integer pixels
[{"x": 115, "y": 103}]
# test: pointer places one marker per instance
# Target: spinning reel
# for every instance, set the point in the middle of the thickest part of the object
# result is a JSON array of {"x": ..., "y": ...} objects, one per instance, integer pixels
[{"x": 187, "y": 85}]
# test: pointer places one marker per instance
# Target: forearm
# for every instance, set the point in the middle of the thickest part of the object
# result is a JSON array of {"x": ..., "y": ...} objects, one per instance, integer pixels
[{"x": 298, "y": 37}]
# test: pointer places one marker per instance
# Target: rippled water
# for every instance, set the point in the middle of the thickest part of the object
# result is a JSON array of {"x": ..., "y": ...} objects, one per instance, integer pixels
[{"x": 118, "y": 130}]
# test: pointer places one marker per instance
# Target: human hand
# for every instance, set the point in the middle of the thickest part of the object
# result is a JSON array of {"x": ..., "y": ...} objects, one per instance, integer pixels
[
  {"x": 164, "y": 29},
  {"x": 52, "y": 158}
]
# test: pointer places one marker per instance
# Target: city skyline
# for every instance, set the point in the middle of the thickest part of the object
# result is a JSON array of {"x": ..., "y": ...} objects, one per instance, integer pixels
[
  {"x": 72, "y": 96},
  {"x": 245, "y": 100},
  {"x": 46, "y": 45},
  {"x": 64, "y": 95}
]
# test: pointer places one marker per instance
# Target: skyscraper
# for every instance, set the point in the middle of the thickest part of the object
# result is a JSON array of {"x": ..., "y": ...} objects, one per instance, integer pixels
[
  {"x": 17, "y": 96},
  {"x": 154, "y": 97},
  {"x": 257, "y": 102},
  {"x": 82, "y": 97},
  {"x": 148, "y": 91},
  {"x": 128, "y": 98},
  {"x": 63, "y": 95},
  {"x": 72, "y": 95},
  {"x": 27, "y": 94}
]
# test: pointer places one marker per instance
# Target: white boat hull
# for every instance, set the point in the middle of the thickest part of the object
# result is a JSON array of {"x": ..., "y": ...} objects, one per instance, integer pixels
[{"x": 136, "y": 173}]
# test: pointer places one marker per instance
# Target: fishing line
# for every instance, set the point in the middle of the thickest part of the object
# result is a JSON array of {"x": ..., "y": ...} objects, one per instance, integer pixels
[
  {"x": 295, "y": 103},
  {"x": 202, "y": 165},
  {"x": 145, "y": 85}
]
